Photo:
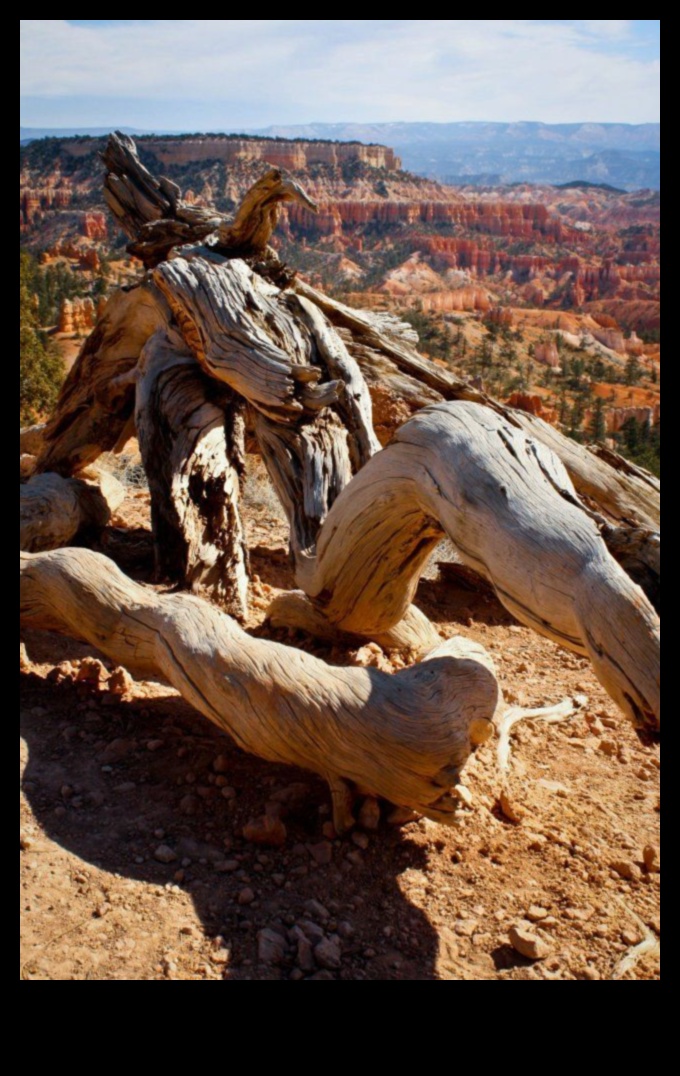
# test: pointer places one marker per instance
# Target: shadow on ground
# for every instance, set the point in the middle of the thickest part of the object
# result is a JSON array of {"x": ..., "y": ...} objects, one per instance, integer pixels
[{"x": 111, "y": 783}]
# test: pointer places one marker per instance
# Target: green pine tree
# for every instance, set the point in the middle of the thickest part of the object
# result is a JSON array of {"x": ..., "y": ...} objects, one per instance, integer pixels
[
  {"x": 597, "y": 428},
  {"x": 41, "y": 369}
]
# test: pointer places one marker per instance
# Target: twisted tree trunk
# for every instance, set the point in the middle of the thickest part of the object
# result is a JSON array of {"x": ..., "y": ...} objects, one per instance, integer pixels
[
  {"x": 404, "y": 737},
  {"x": 191, "y": 437},
  {"x": 508, "y": 506},
  {"x": 362, "y": 522}
]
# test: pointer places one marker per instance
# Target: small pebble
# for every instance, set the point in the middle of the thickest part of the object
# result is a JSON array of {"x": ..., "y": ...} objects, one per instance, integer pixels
[
  {"x": 328, "y": 953},
  {"x": 609, "y": 747},
  {"x": 265, "y": 830},
  {"x": 626, "y": 869},
  {"x": 316, "y": 909},
  {"x": 528, "y": 944},
  {"x": 512, "y": 810},
  {"x": 630, "y": 936},
  {"x": 369, "y": 815},
  {"x": 246, "y": 896},
  {"x": 165, "y": 854},
  {"x": 322, "y": 853},
  {"x": 120, "y": 682},
  {"x": 536, "y": 913},
  {"x": 271, "y": 947},
  {"x": 463, "y": 793},
  {"x": 652, "y": 858}
]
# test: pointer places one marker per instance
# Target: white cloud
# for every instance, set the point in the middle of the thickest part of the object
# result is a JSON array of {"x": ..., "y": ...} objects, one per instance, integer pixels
[
  {"x": 289, "y": 71},
  {"x": 615, "y": 28}
]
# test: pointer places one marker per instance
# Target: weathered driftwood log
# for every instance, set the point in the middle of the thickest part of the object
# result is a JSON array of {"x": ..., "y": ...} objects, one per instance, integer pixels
[
  {"x": 53, "y": 510},
  {"x": 191, "y": 437},
  {"x": 151, "y": 211},
  {"x": 313, "y": 418},
  {"x": 498, "y": 494},
  {"x": 403, "y": 737},
  {"x": 241, "y": 334},
  {"x": 258, "y": 214},
  {"x": 97, "y": 399}
]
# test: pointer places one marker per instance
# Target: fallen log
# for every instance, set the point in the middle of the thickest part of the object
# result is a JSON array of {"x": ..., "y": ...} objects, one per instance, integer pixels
[
  {"x": 53, "y": 510},
  {"x": 404, "y": 737},
  {"x": 464, "y": 470}
]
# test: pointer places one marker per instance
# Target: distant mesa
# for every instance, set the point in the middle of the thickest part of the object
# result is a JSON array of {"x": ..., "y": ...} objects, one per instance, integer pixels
[{"x": 603, "y": 155}]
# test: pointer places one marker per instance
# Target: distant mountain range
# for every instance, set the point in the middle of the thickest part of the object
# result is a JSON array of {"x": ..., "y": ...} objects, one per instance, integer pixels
[{"x": 623, "y": 155}]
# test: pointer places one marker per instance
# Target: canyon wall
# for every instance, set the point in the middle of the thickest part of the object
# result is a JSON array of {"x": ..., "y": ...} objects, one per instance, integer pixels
[{"x": 295, "y": 156}]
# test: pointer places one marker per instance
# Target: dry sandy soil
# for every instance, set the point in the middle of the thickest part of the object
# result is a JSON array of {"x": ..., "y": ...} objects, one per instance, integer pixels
[{"x": 134, "y": 864}]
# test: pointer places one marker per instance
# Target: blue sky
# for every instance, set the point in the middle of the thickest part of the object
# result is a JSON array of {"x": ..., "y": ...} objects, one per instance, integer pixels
[{"x": 230, "y": 74}]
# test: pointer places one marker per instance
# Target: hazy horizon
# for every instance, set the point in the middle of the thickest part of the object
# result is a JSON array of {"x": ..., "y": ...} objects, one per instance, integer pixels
[{"x": 191, "y": 75}]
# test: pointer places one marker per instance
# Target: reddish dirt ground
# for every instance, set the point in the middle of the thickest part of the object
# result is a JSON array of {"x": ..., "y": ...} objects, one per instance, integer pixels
[{"x": 112, "y": 785}]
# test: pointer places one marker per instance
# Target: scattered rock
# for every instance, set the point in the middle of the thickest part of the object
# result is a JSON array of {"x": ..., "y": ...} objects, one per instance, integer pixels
[
  {"x": 189, "y": 804},
  {"x": 463, "y": 793},
  {"x": 165, "y": 854},
  {"x": 630, "y": 936},
  {"x": 296, "y": 975},
  {"x": 93, "y": 672},
  {"x": 322, "y": 975},
  {"x": 61, "y": 672},
  {"x": 116, "y": 751},
  {"x": 322, "y": 853},
  {"x": 310, "y": 930},
  {"x": 401, "y": 816},
  {"x": 153, "y": 745},
  {"x": 328, "y": 953},
  {"x": 609, "y": 747},
  {"x": 369, "y": 815},
  {"x": 120, "y": 682},
  {"x": 271, "y": 947},
  {"x": 305, "y": 955},
  {"x": 591, "y": 973},
  {"x": 360, "y": 839},
  {"x": 465, "y": 928},
  {"x": 221, "y": 764},
  {"x": 512, "y": 810},
  {"x": 317, "y": 910},
  {"x": 536, "y": 913},
  {"x": 229, "y": 793},
  {"x": 369, "y": 655},
  {"x": 652, "y": 858},
  {"x": 266, "y": 830},
  {"x": 528, "y": 944},
  {"x": 246, "y": 896},
  {"x": 625, "y": 868}
]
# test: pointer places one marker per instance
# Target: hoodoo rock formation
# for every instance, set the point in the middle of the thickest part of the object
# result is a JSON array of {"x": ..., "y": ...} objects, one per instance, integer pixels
[{"x": 76, "y": 315}]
